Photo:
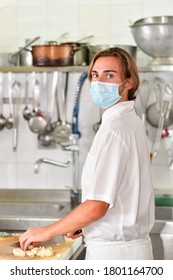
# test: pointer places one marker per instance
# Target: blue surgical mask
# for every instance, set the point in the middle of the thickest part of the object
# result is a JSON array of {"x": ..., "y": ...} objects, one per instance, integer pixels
[{"x": 105, "y": 94}]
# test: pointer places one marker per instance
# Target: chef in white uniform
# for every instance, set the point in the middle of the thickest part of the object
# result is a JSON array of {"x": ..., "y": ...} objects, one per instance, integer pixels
[{"x": 117, "y": 209}]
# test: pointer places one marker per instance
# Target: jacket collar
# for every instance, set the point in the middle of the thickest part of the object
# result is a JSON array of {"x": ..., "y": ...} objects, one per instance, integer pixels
[{"x": 117, "y": 109}]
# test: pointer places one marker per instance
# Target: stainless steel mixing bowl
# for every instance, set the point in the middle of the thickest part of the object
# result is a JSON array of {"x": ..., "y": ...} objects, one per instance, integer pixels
[{"x": 154, "y": 36}]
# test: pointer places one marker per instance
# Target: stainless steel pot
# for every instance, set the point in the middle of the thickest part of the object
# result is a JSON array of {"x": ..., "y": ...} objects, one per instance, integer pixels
[
  {"x": 93, "y": 49},
  {"x": 81, "y": 53},
  {"x": 81, "y": 57},
  {"x": 23, "y": 56},
  {"x": 4, "y": 61}
]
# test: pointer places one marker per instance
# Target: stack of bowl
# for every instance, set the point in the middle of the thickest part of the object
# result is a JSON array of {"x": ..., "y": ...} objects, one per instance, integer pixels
[{"x": 154, "y": 36}]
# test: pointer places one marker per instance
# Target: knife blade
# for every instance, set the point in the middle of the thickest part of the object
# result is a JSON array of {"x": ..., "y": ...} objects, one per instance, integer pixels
[{"x": 53, "y": 240}]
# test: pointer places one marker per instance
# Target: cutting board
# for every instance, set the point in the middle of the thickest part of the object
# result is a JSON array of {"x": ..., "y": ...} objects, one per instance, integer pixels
[{"x": 63, "y": 251}]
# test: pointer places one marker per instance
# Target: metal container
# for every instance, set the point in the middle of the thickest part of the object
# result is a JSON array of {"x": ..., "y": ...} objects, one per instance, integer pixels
[
  {"x": 53, "y": 55},
  {"x": 4, "y": 61},
  {"x": 81, "y": 57},
  {"x": 81, "y": 53},
  {"x": 25, "y": 58},
  {"x": 154, "y": 36},
  {"x": 93, "y": 50}
]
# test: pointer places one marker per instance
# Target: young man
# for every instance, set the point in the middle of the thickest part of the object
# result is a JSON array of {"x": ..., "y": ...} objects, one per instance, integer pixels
[{"x": 117, "y": 209}]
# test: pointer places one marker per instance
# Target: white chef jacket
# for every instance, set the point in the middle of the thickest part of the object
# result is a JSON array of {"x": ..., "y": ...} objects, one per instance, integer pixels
[{"x": 117, "y": 170}]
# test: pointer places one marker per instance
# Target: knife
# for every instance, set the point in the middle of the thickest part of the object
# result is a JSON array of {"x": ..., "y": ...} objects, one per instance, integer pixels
[{"x": 53, "y": 240}]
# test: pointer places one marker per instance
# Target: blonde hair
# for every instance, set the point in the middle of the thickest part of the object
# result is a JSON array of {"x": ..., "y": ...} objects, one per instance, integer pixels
[{"x": 128, "y": 67}]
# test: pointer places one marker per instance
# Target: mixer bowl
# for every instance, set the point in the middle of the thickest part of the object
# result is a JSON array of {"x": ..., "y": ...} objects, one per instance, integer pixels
[{"x": 154, "y": 36}]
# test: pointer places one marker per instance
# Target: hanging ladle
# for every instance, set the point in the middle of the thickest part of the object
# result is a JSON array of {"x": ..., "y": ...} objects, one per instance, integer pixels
[
  {"x": 10, "y": 119},
  {"x": 46, "y": 137},
  {"x": 158, "y": 82},
  {"x": 37, "y": 122},
  {"x": 63, "y": 130},
  {"x": 26, "y": 110},
  {"x": 144, "y": 96},
  {"x": 160, "y": 128},
  {"x": 16, "y": 95}
]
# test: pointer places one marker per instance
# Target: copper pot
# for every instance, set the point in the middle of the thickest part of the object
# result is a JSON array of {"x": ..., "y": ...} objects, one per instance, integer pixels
[{"x": 53, "y": 55}]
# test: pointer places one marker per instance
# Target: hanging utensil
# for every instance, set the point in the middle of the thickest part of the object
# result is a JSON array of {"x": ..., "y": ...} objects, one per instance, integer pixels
[
  {"x": 2, "y": 118},
  {"x": 169, "y": 92},
  {"x": 26, "y": 110},
  {"x": 46, "y": 137},
  {"x": 63, "y": 131},
  {"x": 170, "y": 154},
  {"x": 158, "y": 82},
  {"x": 153, "y": 116},
  {"x": 10, "y": 119},
  {"x": 37, "y": 122},
  {"x": 160, "y": 129},
  {"x": 75, "y": 129},
  {"x": 154, "y": 110},
  {"x": 16, "y": 96},
  {"x": 57, "y": 122},
  {"x": 144, "y": 95},
  {"x": 97, "y": 125}
]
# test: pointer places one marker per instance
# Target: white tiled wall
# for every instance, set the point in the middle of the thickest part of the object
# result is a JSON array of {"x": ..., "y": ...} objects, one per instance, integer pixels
[
  {"x": 108, "y": 21},
  {"x": 17, "y": 167}
]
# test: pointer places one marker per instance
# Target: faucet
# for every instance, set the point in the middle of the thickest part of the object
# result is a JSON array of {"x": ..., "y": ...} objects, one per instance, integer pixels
[
  {"x": 52, "y": 162},
  {"x": 73, "y": 148}
]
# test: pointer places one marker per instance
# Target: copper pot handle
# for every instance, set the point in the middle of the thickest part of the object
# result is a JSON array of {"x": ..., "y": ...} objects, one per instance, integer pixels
[{"x": 75, "y": 49}]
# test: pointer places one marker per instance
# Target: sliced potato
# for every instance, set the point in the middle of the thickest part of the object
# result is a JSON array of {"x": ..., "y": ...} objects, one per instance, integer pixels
[
  {"x": 29, "y": 253},
  {"x": 34, "y": 251},
  {"x": 18, "y": 252}
]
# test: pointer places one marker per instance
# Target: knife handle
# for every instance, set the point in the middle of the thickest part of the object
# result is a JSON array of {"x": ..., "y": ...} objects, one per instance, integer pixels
[{"x": 77, "y": 231}]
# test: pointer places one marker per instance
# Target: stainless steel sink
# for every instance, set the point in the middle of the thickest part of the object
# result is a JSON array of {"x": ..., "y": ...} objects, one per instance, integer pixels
[
  {"x": 164, "y": 213},
  {"x": 31, "y": 209},
  {"x": 162, "y": 240},
  {"x": 162, "y": 233},
  {"x": 20, "y": 209},
  {"x": 34, "y": 195}
]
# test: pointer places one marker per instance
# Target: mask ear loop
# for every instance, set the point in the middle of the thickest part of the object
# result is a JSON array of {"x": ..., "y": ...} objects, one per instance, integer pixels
[{"x": 125, "y": 88}]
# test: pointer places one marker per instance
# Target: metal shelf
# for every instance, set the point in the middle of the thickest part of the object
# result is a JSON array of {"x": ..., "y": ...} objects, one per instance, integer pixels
[
  {"x": 77, "y": 69},
  {"x": 155, "y": 68},
  {"x": 28, "y": 69}
]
